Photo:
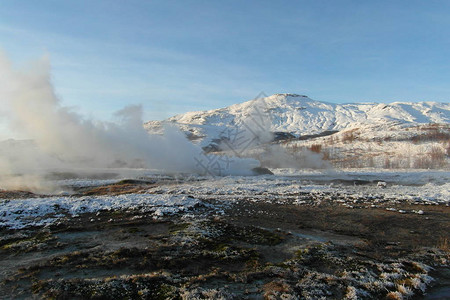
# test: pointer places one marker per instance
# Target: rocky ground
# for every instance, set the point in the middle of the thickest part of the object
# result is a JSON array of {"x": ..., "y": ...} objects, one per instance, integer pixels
[{"x": 285, "y": 242}]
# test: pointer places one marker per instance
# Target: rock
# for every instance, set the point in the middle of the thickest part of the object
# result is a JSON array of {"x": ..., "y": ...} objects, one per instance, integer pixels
[
  {"x": 382, "y": 184},
  {"x": 262, "y": 171}
]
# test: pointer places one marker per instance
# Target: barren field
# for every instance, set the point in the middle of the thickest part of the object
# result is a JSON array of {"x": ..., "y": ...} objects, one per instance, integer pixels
[{"x": 345, "y": 236}]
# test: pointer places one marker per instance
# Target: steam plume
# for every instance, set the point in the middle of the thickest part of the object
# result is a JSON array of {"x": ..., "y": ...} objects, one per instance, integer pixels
[{"x": 64, "y": 140}]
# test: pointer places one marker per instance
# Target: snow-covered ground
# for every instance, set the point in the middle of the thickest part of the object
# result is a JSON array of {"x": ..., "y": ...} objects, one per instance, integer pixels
[
  {"x": 20, "y": 213},
  {"x": 286, "y": 186},
  {"x": 383, "y": 146},
  {"x": 420, "y": 187}
]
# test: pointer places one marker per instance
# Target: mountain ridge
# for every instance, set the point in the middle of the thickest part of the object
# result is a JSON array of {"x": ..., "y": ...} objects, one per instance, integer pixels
[{"x": 300, "y": 115}]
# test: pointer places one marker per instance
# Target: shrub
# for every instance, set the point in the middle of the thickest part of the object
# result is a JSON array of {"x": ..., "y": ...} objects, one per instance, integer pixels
[
  {"x": 348, "y": 137},
  {"x": 387, "y": 163},
  {"x": 422, "y": 162},
  {"x": 437, "y": 155},
  {"x": 316, "y": 148}
]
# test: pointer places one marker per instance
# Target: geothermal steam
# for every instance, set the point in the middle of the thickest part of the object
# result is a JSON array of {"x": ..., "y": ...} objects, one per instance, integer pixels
[{"x": 62, "y": 140}]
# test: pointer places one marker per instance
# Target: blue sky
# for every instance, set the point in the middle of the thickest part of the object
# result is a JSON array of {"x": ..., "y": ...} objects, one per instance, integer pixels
[{"x": 178, "y": 56}]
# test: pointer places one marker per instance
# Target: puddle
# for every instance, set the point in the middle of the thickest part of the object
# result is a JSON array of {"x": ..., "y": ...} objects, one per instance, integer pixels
[
  {"x": 324, "y": 236},
  {"x": 442, "y": 288},
  {"x": 440, "y": 293},
  {"x": 310, "y": 237}
]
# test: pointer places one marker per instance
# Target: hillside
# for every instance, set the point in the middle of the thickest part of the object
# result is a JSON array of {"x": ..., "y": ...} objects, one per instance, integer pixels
[
  {"x": 300, "y": 115},
  {"x": 374, "y": 132}
]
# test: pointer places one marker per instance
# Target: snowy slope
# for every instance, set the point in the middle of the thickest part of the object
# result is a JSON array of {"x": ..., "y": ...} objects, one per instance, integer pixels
[{"x": 300, "y": 115}]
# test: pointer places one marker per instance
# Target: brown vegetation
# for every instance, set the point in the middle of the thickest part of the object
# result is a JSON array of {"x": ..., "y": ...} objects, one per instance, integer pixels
[
  {"x": 119, "y": 188},
  {"x": 349, "y": 136},
  {"x": 316, "y": 148}
]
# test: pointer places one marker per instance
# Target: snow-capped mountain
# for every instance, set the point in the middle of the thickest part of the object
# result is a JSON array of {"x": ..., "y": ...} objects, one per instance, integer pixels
[{"x": 294, "y": 115}]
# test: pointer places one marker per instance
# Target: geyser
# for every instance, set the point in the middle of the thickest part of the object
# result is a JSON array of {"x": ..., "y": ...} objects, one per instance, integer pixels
[{"x": 63, "y": 140}]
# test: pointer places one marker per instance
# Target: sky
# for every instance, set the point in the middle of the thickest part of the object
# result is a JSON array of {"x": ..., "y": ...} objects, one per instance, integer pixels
[{"x": 179, "y": 56}]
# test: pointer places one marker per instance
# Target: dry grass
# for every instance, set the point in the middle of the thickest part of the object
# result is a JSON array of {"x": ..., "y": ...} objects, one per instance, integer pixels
[
  {"x": 316, "y": 148},
  {"x": 17, "y": 194},
  {"x": 349, "y": 136},
  {"x": 432, "y": 132},
  {"x": 119, "y": 188},
  {"x": 273, "y": 288},
  {"x": 394, "y": 296},
  {"x": 443, "y": 244}
]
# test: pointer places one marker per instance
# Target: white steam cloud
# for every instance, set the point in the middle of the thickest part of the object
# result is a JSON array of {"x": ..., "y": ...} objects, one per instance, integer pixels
[
  {"x": 62, "y": 140},
  {"x": 277, "y": 156},
  {"x": 253, "y": 138}
]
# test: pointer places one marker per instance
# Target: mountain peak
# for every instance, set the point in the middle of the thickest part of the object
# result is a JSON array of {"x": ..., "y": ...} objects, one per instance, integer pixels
[
  {"x": 299, "y": 115},
  {"x": 290, "y": 95}
]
